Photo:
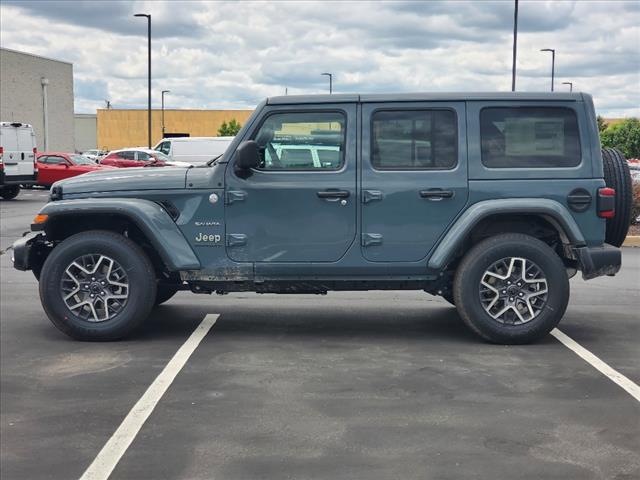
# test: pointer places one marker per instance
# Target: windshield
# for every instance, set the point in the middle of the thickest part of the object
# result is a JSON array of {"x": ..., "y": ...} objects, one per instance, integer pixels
[{"x": 82, "y": 160}]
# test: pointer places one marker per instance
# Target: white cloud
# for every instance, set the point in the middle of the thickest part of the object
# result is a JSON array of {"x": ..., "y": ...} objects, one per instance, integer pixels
[{"x": 232, "y": 54}]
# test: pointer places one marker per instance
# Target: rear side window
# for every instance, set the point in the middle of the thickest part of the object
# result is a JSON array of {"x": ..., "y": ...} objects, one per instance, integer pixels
[
  {"x": 529, "y": 137},
  {"x": 414, "y": 139}
]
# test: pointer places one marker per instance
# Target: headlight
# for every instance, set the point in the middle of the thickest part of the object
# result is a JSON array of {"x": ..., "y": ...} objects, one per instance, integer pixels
[{"x": 56, "y": 193}]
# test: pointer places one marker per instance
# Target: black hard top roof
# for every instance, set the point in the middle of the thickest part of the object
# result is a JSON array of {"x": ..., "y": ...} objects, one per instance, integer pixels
[{"x": 425, "y": 97}]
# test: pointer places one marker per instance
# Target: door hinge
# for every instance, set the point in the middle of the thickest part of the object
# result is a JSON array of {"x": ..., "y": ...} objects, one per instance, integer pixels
[
  {"x": 236, "y": 239},
  {"x": 371, "y": 239},
  {"x": 234, "y": 196},
  {"x": 371, "y": 196}
]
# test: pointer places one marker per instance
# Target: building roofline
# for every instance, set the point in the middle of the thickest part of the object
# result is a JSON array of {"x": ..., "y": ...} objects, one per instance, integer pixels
[
  {"x": 144, "y": 109},
  {"x": 36, "y": 56}
]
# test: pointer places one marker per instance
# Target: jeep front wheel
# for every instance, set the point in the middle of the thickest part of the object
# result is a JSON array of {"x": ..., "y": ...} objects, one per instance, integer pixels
[
  {"x": 511, "y": 289},
  {"x": 97, "y": 285}
]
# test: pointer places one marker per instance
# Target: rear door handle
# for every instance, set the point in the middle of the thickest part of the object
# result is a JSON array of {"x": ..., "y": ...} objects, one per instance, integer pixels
[
  {"x": 436, "y": 194},
  {"x": 333, "y": 194}
]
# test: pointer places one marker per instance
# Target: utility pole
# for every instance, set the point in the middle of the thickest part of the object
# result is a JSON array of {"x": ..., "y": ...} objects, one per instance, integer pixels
[
  {"x": 515, "y": 46},
  {"x": 330, "y": 75},
  {"x": 149, "y": 69},
  {"x": 163, "y": 92},
  {"x": 553, "y": 63}
]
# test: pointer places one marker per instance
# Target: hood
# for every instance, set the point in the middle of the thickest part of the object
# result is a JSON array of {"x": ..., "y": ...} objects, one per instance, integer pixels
[
  {"x": 123, "y": 179},
  {"x": 93, "y": 168}
]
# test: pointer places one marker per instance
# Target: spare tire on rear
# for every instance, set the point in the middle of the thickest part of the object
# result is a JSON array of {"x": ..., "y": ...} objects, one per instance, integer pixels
[{"x": 618, "y": 177}]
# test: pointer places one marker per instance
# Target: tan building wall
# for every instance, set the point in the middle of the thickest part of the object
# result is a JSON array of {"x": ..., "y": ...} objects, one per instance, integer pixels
[{"x": 128, "y": 128}]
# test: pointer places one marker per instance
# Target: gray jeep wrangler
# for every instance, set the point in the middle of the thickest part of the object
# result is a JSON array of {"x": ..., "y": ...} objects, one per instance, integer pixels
[{"x": 490, "y": 200}]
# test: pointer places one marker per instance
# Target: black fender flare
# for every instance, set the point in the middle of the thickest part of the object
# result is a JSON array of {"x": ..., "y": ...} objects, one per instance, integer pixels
[
  {"x": 152, "y": 220},
  {"x": 551, "y": 210}
]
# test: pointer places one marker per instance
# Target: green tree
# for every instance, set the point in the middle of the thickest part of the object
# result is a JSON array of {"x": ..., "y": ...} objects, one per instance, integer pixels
[
  {"x": 625, "y": 136},
  {"x": 602, "y": 125},
  {"x": 229, "y": 129}
]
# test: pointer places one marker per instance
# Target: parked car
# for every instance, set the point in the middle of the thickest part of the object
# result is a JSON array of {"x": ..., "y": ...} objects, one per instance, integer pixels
[
  {"x": 193, "y": 150},
  {"x": 94, "y": 155},
  {"x": 489, "y": 200},
  {"x": 138, "y": 157},
  {"x": 54, "y": 166},
  {"x": 17, "y": 158}
]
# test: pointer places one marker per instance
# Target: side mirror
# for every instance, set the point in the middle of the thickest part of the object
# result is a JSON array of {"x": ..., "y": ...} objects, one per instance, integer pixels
[{"x": 247, "y": 156}]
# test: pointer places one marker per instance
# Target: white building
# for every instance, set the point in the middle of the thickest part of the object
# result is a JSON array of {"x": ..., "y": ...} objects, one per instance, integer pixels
[{"x": 38, "y": 91}]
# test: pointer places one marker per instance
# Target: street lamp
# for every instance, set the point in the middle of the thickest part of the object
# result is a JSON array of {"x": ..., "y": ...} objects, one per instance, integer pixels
[
  {"x": 570, "y": 85},
  {"x": 515, "y": 46},
  {"x": 163, "y": 92},
  {"x": 330, "y": 75},
  {"x": 553, "y": 63},
  {"x": 149, "y": 71}
]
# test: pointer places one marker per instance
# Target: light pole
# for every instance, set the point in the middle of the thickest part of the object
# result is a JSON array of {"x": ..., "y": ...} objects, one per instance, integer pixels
[
  {"x": 553, "y": 63},
  {"x": 163, "y": 92},
  {"x": 570, "y": 85},
  {"x": 149, "y": 69},
  {"x": 515, "y": 46},
  {"x": 330, "y": 75}
]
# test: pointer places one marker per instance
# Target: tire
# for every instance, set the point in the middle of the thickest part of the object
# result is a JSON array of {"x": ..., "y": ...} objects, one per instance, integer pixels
[
  {"x": 511, "y": 328},
  {"x": 9, "y": 192},
  {"x": 448, "y": 296},
  {"x": 618, "y": 177},
  {"x": 93, "y": 250},
  {"x": 164, "y": 293}
]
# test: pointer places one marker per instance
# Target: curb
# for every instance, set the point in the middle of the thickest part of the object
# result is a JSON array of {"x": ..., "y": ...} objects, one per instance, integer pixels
[{"x": 632, "y": 241}]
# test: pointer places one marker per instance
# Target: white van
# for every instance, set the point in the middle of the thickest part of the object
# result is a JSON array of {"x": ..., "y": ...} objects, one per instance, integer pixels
[
  {"x": 17, "y": 158},
  {"x": 193, "y": 150}
]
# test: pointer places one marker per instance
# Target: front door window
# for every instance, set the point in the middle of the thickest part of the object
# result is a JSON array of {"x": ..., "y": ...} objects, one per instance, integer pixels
[{"x": 302, "y": 141}]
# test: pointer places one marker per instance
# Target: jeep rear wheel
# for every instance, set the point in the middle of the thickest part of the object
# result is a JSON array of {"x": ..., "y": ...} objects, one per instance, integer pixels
[
  {"x": 511, "y": 289},
  {"x": 618, "y": 177},
  {"x": 97, "y": 285}
]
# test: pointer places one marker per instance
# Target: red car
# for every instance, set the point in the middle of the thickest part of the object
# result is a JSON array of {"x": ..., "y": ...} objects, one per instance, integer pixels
[
  {"x": 54, "y": 166},
  {"x": 138, "y": 157}
]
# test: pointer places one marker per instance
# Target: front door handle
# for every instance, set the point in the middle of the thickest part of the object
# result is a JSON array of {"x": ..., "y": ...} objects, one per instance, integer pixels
[
  {"x": 436, "y": 194},
  {"x": 334, "y": 194}
]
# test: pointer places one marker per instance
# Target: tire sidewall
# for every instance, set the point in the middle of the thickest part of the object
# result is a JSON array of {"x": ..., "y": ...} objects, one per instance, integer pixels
[
  {"x": 557, "y": 285},
  {"x": 142, "y": 289}
]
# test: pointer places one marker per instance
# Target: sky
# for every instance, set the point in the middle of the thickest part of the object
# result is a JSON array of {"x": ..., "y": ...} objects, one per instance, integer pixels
[{"x": 233, "y": 54}]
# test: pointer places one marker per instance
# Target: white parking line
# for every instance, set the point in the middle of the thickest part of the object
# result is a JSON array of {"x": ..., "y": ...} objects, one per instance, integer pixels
[
  {"x": 632, "y": 388},
  {"x": 117, "y": 445}
]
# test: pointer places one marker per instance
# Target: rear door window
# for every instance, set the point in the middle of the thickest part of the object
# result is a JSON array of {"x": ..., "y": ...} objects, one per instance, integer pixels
[
  {"x": 414, "y": 139},
  {"x": 529, "y": 137}
]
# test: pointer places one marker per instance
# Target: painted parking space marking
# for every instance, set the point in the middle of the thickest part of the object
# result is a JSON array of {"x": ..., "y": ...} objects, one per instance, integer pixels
[
  {"x": 631, "y": 387},
  {"x": 117, "y": 445}
]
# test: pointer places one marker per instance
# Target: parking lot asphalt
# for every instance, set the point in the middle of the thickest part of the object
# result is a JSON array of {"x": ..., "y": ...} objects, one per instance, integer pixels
[{"x": 349, "y": 385}]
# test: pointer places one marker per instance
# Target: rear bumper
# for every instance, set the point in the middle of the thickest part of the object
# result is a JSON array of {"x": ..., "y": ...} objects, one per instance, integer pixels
[
  {"x": 17, "y": 179},
  {"x": 598, "y": 261}
]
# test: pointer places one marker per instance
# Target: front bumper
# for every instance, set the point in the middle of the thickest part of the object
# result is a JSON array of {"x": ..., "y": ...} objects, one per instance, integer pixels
[
  {"x": 27, "y": 250},
  {"x": 598, "y": 261}
]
